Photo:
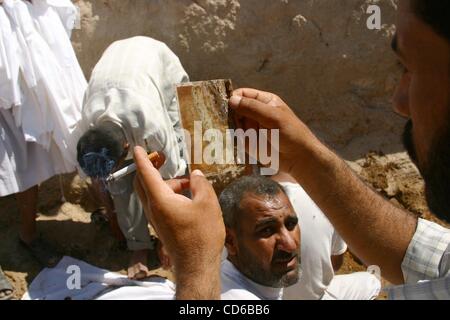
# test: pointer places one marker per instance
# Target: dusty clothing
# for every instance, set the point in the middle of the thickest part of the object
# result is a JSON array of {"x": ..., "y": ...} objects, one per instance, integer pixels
[{"x": 130, "y": 214}]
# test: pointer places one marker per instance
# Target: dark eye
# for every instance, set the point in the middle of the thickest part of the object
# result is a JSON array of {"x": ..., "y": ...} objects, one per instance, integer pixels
[
  {"x": 291, "y": 225},
  {"x": 266, "y": 232}
]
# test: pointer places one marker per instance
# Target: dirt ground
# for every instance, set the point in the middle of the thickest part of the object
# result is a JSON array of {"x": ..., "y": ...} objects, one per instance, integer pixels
[{"x": 68, "y": 226}]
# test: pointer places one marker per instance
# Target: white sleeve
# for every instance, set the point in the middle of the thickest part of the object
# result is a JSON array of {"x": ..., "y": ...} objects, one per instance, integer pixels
[
  {"x": 338, "y": 245},
  {"x": 68, "y": 13}
]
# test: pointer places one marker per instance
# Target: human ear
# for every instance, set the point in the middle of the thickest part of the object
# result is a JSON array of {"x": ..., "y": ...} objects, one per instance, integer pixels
[{"x": 230, "y": 242}]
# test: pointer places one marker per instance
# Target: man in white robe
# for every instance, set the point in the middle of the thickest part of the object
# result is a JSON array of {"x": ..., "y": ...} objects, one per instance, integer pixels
[
  {"x": 322, "y": 254},
  {"x": 131, "y": 101},
  {"x": 262, "y": 240},
  {"x": 41, "y": 89}
]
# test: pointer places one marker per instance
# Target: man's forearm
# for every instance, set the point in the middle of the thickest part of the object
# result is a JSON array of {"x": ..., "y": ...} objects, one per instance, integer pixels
[
  {"x": 203, "y": 283},
  {"x": 376, "y": 231}
]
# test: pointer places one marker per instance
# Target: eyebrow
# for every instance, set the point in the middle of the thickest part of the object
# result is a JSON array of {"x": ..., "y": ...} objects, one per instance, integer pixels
[
  {"x": 265, "y": 221},
  {"x": 273, "y": 220}
]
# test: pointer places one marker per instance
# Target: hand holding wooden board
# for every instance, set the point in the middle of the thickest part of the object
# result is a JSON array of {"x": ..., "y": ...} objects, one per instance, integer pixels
[{"x": 209, "y": 128}]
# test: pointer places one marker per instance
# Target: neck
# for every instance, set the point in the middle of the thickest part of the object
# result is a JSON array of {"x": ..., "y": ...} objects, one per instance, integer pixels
[{"x": 261, "y": 291}]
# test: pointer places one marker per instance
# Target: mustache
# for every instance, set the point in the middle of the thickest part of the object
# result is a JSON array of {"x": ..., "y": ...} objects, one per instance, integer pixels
[{"x": 283, "y": 255}]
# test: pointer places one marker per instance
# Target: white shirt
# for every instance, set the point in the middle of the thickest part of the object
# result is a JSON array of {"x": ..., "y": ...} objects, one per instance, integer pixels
[
  {"x": 236, "y": 286},
  {"x": 319, "y": 241},
  {"x": 133, "y": 85}
]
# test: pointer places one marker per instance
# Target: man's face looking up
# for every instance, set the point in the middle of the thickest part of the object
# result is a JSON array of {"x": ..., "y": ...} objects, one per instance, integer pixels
[
  {"x": 423, "y": 96},
  {"x": 265, "y": 244}
]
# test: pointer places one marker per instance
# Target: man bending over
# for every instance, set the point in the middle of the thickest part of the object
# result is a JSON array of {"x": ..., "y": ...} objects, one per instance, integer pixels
[{"x": 131, "y": 102}]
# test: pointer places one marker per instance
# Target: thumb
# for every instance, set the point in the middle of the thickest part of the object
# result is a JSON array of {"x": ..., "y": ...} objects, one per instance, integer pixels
[{"x": 200, "y": 187}]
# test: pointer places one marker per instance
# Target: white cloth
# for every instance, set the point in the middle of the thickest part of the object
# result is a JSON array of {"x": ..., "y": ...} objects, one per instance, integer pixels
[
  {"x": 95, "y": 284},
  {"x": 98, "y": 284},
  {"x": 437, "y": 289},
  {"x": 133, "y": 85},
  {"x": 354, "y": 286},
  {"x": 23, "y": 164},
  {"x": 319, "y": 241},
  {"x": 41, "y": 89},
  {"x": 9, "y": 64},
  {"x": 236, "y": 286}
]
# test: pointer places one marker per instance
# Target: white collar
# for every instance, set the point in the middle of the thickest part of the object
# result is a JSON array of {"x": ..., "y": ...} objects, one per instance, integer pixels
[{"x": 263, "y": 292}]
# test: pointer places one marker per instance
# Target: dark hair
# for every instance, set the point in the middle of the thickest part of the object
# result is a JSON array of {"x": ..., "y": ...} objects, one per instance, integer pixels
[
  {"x": 435, "y": 13},
  {"x": 230, "y": 198},
  {"x": 100, "y": 148}
]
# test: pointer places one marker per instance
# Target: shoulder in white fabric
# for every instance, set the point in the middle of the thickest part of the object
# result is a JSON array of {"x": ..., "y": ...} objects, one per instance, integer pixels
[
  {"x": 133, "y": 85},
  {"x": 67, "y": 12}
]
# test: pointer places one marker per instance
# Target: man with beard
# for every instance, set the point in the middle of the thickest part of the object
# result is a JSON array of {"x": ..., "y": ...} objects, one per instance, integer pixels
[
  {"x": 262, "y": 240},
  {"x": 407, "y": 249}
]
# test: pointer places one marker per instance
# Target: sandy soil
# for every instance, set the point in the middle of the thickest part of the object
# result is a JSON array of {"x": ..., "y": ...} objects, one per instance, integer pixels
[{"x": 68, "y": 226}]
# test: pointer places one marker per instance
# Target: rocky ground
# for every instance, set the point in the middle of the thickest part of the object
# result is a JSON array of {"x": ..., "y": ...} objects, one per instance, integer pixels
[{"x": 68, "y": 225}]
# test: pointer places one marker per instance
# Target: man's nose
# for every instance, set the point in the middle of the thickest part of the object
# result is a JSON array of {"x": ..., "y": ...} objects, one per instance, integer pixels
[
  {"x": 400, "y": 100},
  {"x": 286, "y": 242}
]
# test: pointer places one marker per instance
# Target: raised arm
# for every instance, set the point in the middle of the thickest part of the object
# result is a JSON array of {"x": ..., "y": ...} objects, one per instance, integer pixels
[
  {"x": 375, "y": 230},
  {"x": 192, "y": 231}
]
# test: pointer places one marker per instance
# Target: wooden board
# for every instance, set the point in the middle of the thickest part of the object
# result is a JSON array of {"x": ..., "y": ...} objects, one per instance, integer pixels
[{"x": 206, "y": 102}]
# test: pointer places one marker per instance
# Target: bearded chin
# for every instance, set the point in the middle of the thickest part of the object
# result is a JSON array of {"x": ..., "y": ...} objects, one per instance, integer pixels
[
  {"x": 437, "y": 180},
  {"x": 409, "y": 143},
  {"x": 436, "y": 172}
]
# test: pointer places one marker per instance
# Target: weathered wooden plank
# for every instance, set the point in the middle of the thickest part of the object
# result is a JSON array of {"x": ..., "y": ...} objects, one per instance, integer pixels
[{"x": 203, "y": 106}]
